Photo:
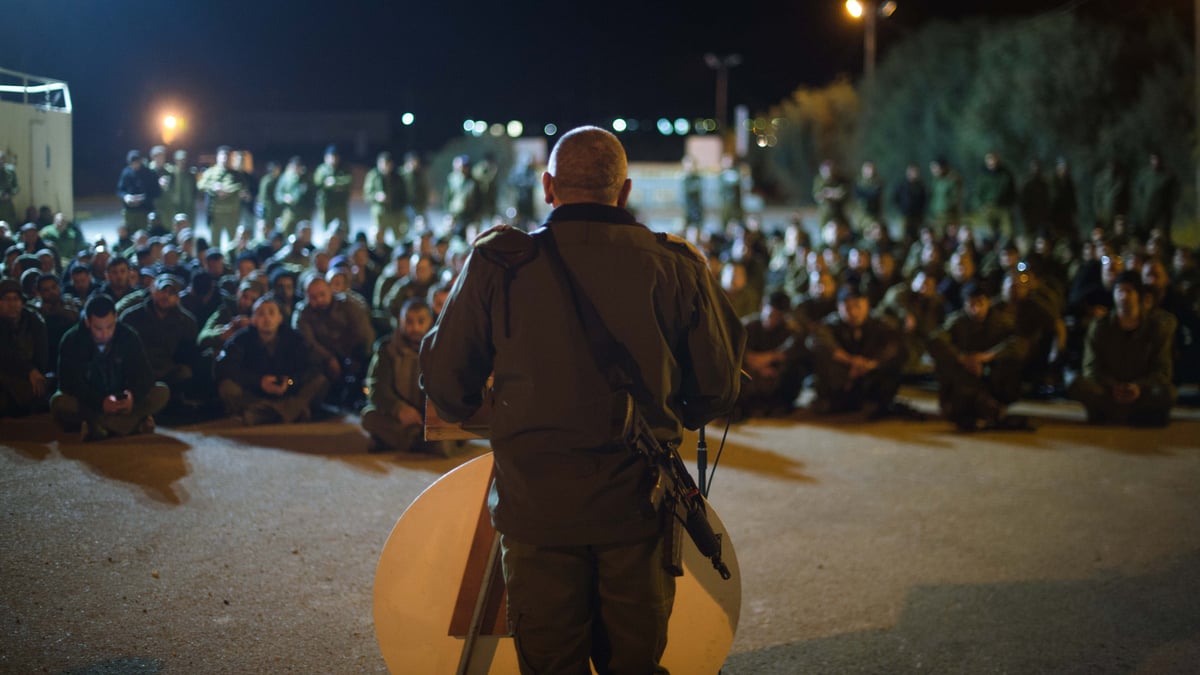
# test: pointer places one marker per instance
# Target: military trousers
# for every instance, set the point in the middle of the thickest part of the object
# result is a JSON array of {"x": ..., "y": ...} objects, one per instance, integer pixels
[
  {"x": 568, "y": 605},
  {"x": 69, "y": 412}
]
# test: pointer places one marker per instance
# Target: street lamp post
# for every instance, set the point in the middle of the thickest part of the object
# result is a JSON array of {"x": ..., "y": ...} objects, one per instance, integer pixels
[
  {"x": 870, "y": 11},
  {"x": 722, "y": 64}
]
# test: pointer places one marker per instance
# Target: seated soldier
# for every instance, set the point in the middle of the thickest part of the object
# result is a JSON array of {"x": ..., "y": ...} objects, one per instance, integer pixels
[
  {"x": 1126, "y": 377},
  {"x": 395, "y": 412},
  {"x": 978, "y": 357},
  {"x": 58, "y": 315},
  {"x": 24, "y": 355},
  {"x": 105, "y": 384},
  {"x": 415, "y": 285},
  {"x": 857, "y": 359},
  {"x": 339, "y": 332},
  {"x": 917, "y": 310},
  {"x": 821, "y": 300},
  {"x": 1035, "y": 320},
  {"x": 168, "y": 333},
  {"x": 232, "y": 316},
  {"x": 776, "y": 359},
  {"x": 266, "y": 373}
]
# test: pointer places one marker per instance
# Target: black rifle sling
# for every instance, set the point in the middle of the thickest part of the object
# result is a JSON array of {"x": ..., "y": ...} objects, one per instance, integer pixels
[{"x": 611, "y": 356}]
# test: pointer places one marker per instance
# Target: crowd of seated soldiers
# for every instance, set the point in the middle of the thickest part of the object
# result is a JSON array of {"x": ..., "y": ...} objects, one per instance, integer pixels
[
  {"x": 274, "y": 328},
  {"x": 1109, "y": 320}
]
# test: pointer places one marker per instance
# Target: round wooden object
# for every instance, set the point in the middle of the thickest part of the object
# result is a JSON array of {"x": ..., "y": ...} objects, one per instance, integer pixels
[{"x": 421, "y": 573}]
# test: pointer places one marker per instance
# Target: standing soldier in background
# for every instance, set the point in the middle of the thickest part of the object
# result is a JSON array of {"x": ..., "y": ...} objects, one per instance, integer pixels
[
  {"x": 462, "y": 196},
  {"x": 524, "y": 180},
  {"x": 1064, "y": 205},
  {"x": 158, "y": 166},
  {"x": 946, "y": 196},
  {"x": 1035, "y": 202},
  {"x": 181, "y": 187},
  {"x": 1110, "y": 195},
  {"x": 1155, "y": 195},
  {"x": 138, "y": 188},
  {"x": 224, "y": 190},
  {"x": 269, "y": 208},
  {"x": 416, "y": 187},
  {"x": 332, "y": 181},
  {"x": 383, "y": 190},
  {"x": 995, "y": 196},
  {"x": 693, "y": 193},
  {"x": 242, "y": 164},
  {"x": 912, "y": 201},
  {"x": 8, "y": 188},
  {"x": 295, "y": 194},
  {"x": 730, "y": 183},
  {"x": 868, "y": 194},
  {"x": 484, "y": 173},
  {"x": 831, "y": 193}
]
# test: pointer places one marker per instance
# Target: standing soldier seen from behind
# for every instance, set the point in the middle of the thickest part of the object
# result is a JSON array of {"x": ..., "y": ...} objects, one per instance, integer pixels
[{"x": 582, "y": 552}]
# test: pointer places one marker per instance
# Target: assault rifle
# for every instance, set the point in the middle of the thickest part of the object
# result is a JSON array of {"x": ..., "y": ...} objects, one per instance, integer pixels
[{"x": 673, "y": 487}]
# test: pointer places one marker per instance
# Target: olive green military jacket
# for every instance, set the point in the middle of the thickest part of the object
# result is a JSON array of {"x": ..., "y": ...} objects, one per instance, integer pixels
[{"x": 560, "y": 477}]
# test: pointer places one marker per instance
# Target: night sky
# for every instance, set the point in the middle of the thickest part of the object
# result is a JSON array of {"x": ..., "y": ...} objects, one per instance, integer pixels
[{"x": 562, "y": 62}]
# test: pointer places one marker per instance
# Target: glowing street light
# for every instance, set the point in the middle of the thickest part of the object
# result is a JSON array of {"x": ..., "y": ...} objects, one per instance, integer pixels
[
  {"x": 550, "y": 129},
  {"x": 682, "y": 126},
  {"x": 665, "y": 127},
  {"x": 619, "y": 125},
  {"x": 515, "y": 128},
  {"x": 172, "y": 125},
  {"x": 407, "y": 119}
]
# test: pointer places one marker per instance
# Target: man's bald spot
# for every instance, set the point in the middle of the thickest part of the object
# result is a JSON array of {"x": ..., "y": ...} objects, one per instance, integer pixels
[{"x": 588, "y": 163}]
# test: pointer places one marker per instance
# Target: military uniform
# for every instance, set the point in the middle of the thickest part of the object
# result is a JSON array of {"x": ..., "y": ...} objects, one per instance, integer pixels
[
  {"x": 776, "y": 392},
  {"x": 965, "y": 398},
  {"x": 563, "y": 484},
  {"x": 1155, "y": 195},
  {"x": 925, "y": 313},
  {"x": 333, "y": 195},
  {"x": 393, "y": 384},
  {"x": 416, "y": 188},
  {"x": 8, "y": 189},
  {"x": 297, "y": 197},
  {"x": 23, "y": 348},
  {"x": 269, "y": 208},
  {"x": 875, "y": 340},
  {"x": 87, "y": 375},
  {"x": 224, "y": 201},
  {"x": 245, "y": 360},
  {"x": 169, "y": 341},
  {"x": 140, "y": 181},
  {"x": 390, "y": 214},
  {"x": 181, "y": 191},
  {"x": 1110, "y": 196},
  {"x": 729, "y": 186},
  {"x": 693, "y": 198},
  {"x": 945, "y": 200},
  {"x": 463, "y": 201},
  {"x": 1113, "y": 355},
  {"x": 996, "y": 194}
]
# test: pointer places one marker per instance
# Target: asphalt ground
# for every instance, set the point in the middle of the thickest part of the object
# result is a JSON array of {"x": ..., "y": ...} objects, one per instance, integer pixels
[{"x": 865, "y": 547}]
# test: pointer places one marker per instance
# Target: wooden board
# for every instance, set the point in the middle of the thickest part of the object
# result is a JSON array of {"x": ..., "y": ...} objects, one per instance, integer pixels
[{"x": 422, "y": 574}]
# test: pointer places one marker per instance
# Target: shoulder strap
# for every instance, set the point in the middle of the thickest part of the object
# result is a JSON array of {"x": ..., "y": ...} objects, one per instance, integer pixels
[{"x": 614, "y": 360}]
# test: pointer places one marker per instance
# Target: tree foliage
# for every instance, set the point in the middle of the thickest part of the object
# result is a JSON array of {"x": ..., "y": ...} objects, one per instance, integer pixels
[{"x": 1039, "y": 88}]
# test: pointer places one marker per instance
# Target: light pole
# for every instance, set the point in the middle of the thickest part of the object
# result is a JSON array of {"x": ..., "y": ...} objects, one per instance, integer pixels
[
  {"x": 722, "y": 64},
  {"x": 870, "y": 11}
]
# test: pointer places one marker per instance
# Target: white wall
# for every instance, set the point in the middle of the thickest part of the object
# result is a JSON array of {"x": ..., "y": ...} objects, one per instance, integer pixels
[{"x": 38, "y": 143}]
